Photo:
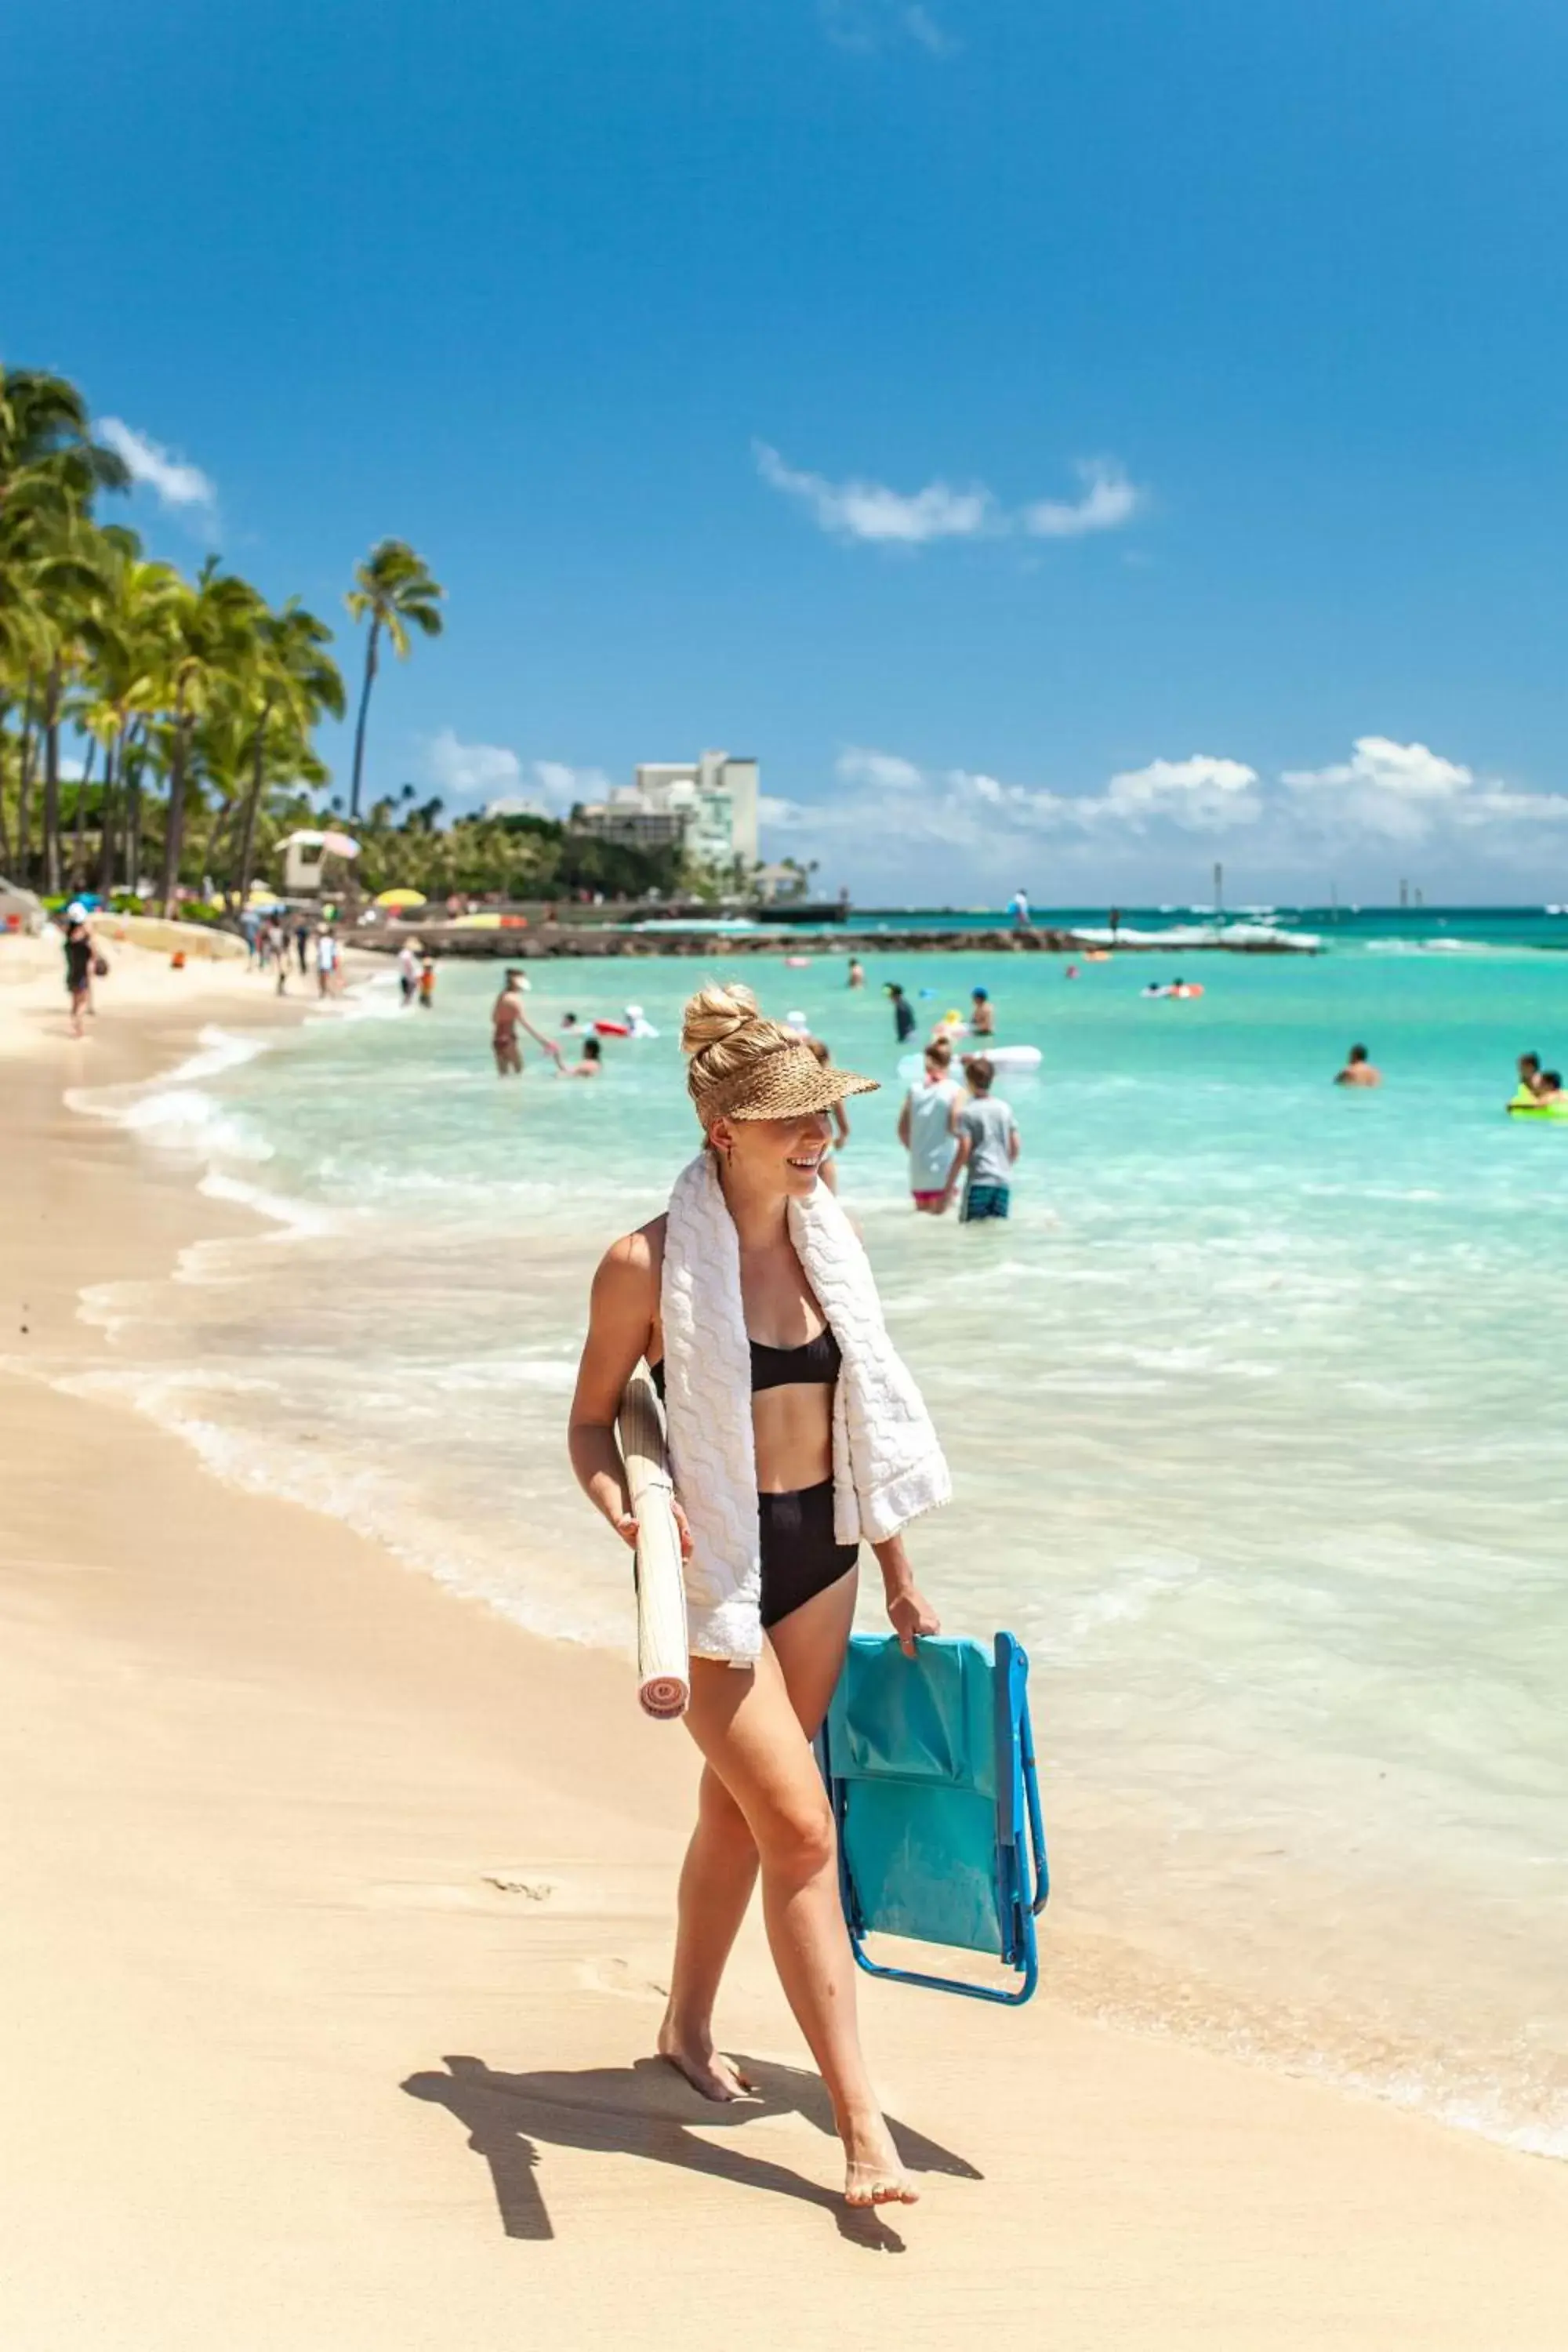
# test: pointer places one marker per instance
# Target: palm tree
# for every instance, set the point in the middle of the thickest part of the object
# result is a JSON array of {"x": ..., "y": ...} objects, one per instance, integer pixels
[
  {"x": 294, "y": 681},
  {"x": 49, "y": 469},
  {"x": 393, "y": 588},
  {"x": 132, "y": 636},
  {"x": 212, "y": 623}
]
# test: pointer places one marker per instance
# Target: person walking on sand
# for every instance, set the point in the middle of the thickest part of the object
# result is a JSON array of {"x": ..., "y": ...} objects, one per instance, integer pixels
[
  {"x": 988, "y": 1146},
  {"x": 926, "y": 1130},
  {"x": 78, "y": 955},
  {"x": 715, "y": 1296},
  {"x": 1358, "y": 1070},
  {"x": 326, "y": 953}
]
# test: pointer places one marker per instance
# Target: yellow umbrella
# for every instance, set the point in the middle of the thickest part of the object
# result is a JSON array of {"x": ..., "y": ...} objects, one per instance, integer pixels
[{"x": 400, "y": 898}]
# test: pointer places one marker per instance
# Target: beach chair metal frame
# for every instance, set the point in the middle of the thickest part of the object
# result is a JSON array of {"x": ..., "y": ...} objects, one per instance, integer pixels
[{"x": 1021, "y": 1877}]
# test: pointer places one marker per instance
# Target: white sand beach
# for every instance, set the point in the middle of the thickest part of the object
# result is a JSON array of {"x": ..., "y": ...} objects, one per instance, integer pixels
[{"x": 334, "y": 1917}]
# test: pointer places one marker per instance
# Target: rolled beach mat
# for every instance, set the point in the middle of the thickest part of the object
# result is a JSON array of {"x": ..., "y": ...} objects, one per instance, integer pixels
[{"x": 664, "y": 1665}]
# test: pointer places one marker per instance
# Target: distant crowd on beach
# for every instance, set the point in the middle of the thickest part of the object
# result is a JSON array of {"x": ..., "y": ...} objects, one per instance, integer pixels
[{"x": 308, "y": 943}]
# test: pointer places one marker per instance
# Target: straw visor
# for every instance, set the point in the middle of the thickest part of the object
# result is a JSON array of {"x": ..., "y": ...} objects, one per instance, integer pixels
[{"x": 786, "y": 1082}]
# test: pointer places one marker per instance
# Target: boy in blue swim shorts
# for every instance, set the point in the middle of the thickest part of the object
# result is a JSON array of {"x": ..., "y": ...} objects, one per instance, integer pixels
[{"x": 988, "y": 1145}]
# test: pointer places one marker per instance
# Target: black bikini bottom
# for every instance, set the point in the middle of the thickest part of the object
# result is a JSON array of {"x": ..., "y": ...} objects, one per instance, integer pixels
[{"x": 800, "y": 1557}]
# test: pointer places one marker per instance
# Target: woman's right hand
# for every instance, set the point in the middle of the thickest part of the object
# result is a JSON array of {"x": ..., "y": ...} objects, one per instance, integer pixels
[{"x": 625, "y": 1525}]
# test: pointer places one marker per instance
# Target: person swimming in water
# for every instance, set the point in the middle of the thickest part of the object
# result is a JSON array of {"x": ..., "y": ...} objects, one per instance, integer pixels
[
  {"x": 1529, "y": 1079},
  {"x": 1358, "y": 1070},
  {"x": 982, "y": 1016}
]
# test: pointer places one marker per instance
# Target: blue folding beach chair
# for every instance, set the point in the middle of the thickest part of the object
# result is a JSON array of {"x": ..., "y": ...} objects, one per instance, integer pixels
[{"x": 929, "y": 1764}]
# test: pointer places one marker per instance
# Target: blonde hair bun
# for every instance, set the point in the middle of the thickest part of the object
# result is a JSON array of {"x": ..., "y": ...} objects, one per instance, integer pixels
[
  {"x": 727, "y": 1038},
  {"x": 715, "y": 1015}
]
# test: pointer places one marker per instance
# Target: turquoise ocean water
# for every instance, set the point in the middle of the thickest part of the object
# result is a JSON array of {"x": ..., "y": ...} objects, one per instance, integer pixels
[{"x": 1256, "y": 1410}]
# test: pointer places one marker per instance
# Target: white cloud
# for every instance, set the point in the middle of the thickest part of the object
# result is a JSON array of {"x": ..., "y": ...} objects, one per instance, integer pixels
[
  {"x": 1376, "y": 764},
  {"x": 868, "y": 25},
  {"x": 566, "y": 785},
  {"x": 869, "y": 510},
  {"x": 857, "y": 509},
  {"x": 1495, "y": 801},
  {"x": 1109, "y": 500},
  {"x": 174, "y": 483},
  {"x": 467, "y": 768},
  {"x": 493, "y": 775},
  {"x": 1201, "y": 793},
  {"x": 858, "y": 766},
  {"x": 516, "y": 805},
  {"x": 1394, "y": 791}
]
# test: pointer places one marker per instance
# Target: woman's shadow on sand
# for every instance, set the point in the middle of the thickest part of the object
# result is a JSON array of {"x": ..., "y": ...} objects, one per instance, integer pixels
[{"x": 645, "y": 2110}]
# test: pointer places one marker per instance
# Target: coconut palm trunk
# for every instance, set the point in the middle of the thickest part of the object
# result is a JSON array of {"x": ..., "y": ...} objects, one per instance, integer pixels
[
  {"x": 5, "y": 828},
  {"x": 252, "y": 806},
  {"x": 52, "y": 780},
  {"x": 25, "y": 792},
  {"x": 175, "y": 830},
  {"x": 135, "y": 760},
  {"x": 78, "y": 831},
  {"x": 370, "y": 670},
  {"x": 106, "y": 844}
]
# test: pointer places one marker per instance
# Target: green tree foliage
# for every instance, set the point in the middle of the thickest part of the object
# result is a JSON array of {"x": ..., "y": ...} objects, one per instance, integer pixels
[
  {"x": 197, "y": 701},
  {"x": 403, "y": 846},
  {"x": 395, "y": 590}
]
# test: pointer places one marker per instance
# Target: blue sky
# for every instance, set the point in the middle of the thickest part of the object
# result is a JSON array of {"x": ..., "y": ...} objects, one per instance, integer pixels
[{"x": 1065, "y": 442}]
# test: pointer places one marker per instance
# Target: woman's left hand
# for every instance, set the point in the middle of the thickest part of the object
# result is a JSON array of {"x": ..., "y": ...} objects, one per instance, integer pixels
[{"x": 911, "y": 1618}]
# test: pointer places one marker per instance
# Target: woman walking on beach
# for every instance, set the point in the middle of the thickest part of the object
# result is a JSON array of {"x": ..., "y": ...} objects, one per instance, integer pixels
[{"x": 794, "y": 1433}]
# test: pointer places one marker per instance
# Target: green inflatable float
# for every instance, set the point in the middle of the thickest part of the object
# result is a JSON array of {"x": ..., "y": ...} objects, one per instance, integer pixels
[{"x": 1523, "y": 1105}]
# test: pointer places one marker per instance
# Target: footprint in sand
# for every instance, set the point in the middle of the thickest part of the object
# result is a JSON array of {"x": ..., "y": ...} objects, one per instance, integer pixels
[{"x": 612, "y": 1974}]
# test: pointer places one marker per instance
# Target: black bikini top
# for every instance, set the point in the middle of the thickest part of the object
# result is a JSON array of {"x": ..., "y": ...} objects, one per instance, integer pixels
[{"x": 813, "y": 1364}]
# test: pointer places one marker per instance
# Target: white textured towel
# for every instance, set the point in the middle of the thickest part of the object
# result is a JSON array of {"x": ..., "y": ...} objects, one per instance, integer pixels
[{"x": 886, "y": 1465}]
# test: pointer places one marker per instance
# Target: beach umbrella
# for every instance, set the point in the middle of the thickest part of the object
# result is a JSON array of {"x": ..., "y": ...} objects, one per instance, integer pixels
[
  {"x": 401, "y": 899},
  {"x": 338, "y": 844}
]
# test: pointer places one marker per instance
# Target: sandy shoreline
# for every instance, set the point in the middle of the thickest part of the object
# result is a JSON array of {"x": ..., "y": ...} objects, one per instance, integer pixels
[{"x": 291, "y": 1830}]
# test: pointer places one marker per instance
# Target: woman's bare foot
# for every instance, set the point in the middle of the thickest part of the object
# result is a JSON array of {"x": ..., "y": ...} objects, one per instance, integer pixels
[
  {"x": 873, "y": 2174},
  {"x": 706, "y": 2069}
]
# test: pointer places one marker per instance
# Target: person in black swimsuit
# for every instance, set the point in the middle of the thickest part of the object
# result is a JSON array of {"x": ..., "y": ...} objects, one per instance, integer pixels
[
  {"x": 799, "y": 1556},
  {"x": 762, "y": 1100}
]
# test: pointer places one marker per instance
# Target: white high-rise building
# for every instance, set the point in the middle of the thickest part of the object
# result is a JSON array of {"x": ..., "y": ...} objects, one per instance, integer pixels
[{"x": 709, "y": 806}]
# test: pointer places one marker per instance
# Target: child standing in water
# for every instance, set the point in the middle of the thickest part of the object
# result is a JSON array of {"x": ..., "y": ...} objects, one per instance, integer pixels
[{"x": 988, "y": 1146}]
